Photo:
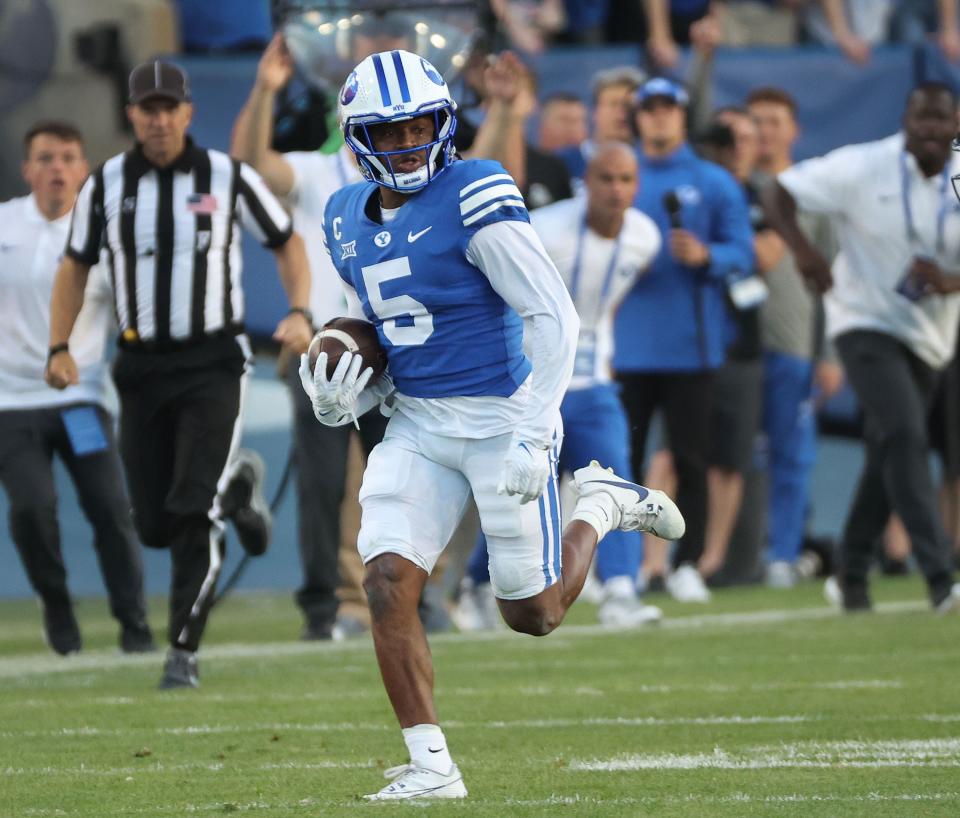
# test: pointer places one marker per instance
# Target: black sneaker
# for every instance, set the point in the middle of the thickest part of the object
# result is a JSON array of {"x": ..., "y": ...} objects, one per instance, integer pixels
[
  {"x": 60, "y": 629},
  {"x": 243, "y": 502},
  {"x": 180, "y": 670},
  {"x": 316, "y": 632},
  {"x": 947, "y": 601},
  {"x": 856, "y": 598},
  {"x": 137, "y": 639}
]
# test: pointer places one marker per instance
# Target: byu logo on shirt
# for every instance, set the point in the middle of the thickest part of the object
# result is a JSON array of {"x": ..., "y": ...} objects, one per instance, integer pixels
[
  {"x": 382, "y": 239},
  {"x": 689, "y": 195}
]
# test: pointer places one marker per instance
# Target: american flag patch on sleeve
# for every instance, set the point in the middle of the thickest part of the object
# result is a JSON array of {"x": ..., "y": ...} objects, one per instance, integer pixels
[{"x": 203, "y": 204}]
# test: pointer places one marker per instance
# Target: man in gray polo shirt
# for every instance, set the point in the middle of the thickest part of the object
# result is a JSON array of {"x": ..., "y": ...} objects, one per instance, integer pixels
[{"x": 892, "y": 313}]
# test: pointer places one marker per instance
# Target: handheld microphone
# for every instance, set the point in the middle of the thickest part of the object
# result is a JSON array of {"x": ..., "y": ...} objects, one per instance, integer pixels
[{"x": 671, "y": 203}]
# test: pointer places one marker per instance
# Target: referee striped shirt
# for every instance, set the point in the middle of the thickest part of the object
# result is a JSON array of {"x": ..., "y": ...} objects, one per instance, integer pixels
[{"x": 172, "y": 239}]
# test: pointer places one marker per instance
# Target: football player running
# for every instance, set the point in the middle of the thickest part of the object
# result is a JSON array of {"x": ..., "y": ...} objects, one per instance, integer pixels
[{"x": 438, "y": 253}]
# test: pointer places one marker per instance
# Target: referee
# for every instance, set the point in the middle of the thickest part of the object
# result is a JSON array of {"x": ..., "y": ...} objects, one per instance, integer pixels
[{"x": 168, "y": 213}]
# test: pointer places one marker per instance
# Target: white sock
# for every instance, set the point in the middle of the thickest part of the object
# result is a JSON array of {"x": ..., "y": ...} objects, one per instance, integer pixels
[
  {"x": 598, "y": 510},
  {"x": 428, "y": 747}
]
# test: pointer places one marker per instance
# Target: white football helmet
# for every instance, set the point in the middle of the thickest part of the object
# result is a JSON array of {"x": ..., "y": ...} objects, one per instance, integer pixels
[{"x": 390, "y": 87}]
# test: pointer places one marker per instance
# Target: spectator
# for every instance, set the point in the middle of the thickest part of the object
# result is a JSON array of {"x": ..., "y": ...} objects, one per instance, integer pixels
[
  {"x": 916, "y": 21},
  {"x": 563, "y": 122},
  {"x": 662, "y": 25},
  {"x": 37, "y": 422},
  {"x": 600, "y": 245},
  {"x": 670, "y": 329},
  {"x": 613, "y": 92},
  {"x": 737, "y": 388},
  {"x": 795, "y": 368},
  {"x": 854, "y": 26},
  {"x": 760, "y": 22},
  {"x": 892, "y": 316},
  {"x": 304, "y": 180},
  {"x": 509, "y": 100},
  {"x": 529, "y": 24},
  {"x": 586, "y": 21}
]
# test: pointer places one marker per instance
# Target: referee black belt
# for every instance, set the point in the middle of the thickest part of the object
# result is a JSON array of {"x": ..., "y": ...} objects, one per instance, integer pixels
[{"x": 129, "y": 342}]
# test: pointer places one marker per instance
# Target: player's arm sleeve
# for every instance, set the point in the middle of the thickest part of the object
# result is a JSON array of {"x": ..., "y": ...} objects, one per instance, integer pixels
[
  {"x": 511, "y": 255},
  {"x": 259, "y": 210},
  {"x": 88, "y": 223},
  {"x": 824, "y": 184},
  {"x": 731, "y": 237}
]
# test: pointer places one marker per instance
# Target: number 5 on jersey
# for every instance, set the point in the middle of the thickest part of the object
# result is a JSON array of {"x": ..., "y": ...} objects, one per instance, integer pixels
[{"x": 389, "y": 309}]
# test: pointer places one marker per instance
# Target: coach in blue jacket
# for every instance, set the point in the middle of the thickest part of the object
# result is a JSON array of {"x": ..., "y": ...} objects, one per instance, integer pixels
[{"x": 670, "y": 330}]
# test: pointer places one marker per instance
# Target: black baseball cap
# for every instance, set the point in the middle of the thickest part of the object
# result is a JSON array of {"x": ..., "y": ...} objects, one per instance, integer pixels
[{"x": 158, "y": 79}]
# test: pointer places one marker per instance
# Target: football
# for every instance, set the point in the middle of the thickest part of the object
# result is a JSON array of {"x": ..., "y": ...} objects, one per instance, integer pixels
[{"x": 340, "y": 335}]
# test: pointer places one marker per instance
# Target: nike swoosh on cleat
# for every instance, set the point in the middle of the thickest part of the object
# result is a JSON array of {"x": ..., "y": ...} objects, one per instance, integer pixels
[
  {"x": 412, "y": 237},
  {"x": 431, "y": 750},
  {"x": 623, "y": 484}
]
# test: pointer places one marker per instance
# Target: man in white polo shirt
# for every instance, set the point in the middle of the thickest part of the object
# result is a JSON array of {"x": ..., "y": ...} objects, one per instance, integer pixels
[
  {"x": 892, "y": 313},
  {"x": 37, "y": 422},
  {"x": 304, "y": 181}
]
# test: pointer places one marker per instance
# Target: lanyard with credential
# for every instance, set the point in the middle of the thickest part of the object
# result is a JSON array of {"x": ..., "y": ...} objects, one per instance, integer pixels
[
  {"x": 575, "y": 275},
  {"x": 912, "y": 236}
]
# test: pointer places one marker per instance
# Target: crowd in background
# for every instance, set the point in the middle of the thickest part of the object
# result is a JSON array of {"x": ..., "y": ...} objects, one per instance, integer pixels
[
  {"x": 663, "y": 26},
  {"x": 734, "y": 362}
]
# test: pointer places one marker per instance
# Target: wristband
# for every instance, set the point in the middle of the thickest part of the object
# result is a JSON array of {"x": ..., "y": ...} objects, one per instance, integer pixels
[
  {"x": 304, "y": 311},
  {"x": 56, "y": 349}
]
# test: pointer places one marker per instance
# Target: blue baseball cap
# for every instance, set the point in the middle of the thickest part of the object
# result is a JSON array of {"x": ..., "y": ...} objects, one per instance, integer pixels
[{"x": 661, "y": 87}]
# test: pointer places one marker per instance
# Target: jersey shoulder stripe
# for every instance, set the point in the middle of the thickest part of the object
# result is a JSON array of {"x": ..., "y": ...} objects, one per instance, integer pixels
[{"x": 489, "y": 193}]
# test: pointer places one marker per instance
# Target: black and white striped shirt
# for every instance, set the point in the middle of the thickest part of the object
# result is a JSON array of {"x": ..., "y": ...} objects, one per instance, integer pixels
[{"x": 172, "y": 237}]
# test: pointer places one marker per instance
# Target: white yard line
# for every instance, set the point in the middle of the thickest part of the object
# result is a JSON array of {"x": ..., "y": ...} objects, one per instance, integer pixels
[
  {"x": 157, "y": 767},
  {"x": 803, "y": 754},
  {"x": 719, "y": 720},
  {"x": 18, "y": 666}
]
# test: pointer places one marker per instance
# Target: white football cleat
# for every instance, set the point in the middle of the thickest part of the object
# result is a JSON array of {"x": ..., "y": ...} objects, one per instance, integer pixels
[
  {"x": 477, "y": 608},
  {"x": 628, "y": 612},
  {"x": 410, "y": 781},
  {"x": 640, "y": 508},
  {"x": 686, "y": 585}
]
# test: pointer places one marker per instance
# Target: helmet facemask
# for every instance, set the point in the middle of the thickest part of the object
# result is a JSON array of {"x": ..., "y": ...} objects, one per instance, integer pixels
[{"x": 378, "y": 166}]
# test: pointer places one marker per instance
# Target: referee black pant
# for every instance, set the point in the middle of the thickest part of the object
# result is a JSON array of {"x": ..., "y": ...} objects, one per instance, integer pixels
[
  {"x": 320, "y": 455},
  {"x": 179, "y": 426},
  {"x": 28, "y": 440},
  {"x": 895, "y": 389},
  {"x": 684, "y": 399}
]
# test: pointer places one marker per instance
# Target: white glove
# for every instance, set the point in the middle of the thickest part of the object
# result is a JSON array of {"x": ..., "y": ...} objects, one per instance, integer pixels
[
  {"x": 526, "y": 470},
  {"x": 334, "y": 399}
]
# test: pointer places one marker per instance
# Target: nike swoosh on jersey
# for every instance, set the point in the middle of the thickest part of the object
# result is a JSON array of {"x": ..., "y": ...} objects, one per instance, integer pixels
[{"x": 412, "y": 237}]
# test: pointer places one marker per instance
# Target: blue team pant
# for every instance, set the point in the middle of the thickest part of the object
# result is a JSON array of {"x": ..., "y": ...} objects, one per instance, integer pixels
[
  {"x": 790, "y": 427},
  {"x": 595, "y": 428}
]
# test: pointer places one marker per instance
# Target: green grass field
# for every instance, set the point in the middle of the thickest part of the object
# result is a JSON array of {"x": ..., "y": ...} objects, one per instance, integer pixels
[{"x": 760, "y": 704}]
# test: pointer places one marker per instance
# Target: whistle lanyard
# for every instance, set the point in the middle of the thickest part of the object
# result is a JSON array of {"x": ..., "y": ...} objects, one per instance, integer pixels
[
  {"x": 912, "y": 236},
  {"x": 607, "y": 279}
]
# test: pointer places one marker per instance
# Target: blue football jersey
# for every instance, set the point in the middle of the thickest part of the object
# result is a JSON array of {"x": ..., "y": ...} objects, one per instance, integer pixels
[{"x": 445, "y": 330}]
